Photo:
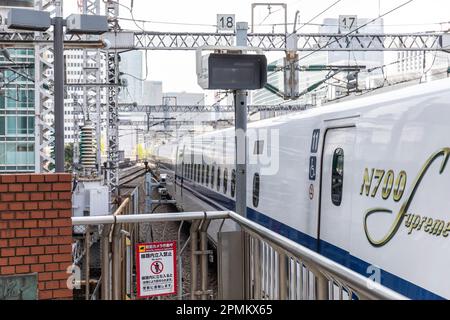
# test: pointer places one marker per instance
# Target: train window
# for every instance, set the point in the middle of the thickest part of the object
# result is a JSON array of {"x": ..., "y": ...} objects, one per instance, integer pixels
[
  {"x": 259, "y": 147},
  {"x": 337, "y": 177},
  {"x": 212, "y": 177},
  {"x": 195, "y": 172},
  {"x": 256, "y": 183},
  {"x": 233, "y": 183},
  {"x": 190, "y": 171},
  {"x": 203, "y": 173},
  {"x": 218, "y": 179},
  {"x": 207, "y": 175},
  {"x": 225, "y": 181},
  {"x": 198, "y": 173}
]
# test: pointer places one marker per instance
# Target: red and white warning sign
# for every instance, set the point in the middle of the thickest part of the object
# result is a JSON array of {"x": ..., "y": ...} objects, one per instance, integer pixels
[{"x": 156, "y": 269}]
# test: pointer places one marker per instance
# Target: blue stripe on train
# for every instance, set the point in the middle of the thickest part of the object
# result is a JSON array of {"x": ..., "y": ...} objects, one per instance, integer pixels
[{"x": 330, "y": 251}]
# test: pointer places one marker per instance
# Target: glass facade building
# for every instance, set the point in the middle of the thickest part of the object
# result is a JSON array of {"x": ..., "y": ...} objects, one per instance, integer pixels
[{"x": 17, "y": 112}]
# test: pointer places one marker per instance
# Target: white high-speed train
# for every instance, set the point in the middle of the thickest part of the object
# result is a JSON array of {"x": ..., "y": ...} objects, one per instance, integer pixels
[{"x": 364, "y": 182}]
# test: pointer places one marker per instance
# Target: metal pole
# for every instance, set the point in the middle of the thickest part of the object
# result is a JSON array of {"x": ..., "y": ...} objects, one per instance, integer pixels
[
  {"x": 106, "y": 275},
  {"x": 58, "y": 43},
  {"x": 116, "y": 267},
  {"x": 282, "y": 276},
  {"x": 204, "y": 258},
  {"x": 321, "y": 287},
  {"x": 194, "y": 260},
  {"x": 87, "y": 261}
]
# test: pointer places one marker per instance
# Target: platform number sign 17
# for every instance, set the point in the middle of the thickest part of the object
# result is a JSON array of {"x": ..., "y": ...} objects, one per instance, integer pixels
[
  {"x": 348, "y": 23},
  {"x": 225, "y": 22}
]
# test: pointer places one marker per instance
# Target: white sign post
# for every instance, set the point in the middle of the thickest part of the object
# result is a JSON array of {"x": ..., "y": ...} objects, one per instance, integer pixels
[
  {"x": 156, "y": 269},
  {"x": 226, "y": 22}
]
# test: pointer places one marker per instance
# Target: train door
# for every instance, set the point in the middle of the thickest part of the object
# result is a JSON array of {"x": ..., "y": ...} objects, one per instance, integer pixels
[{"x": 335, "y": 201}]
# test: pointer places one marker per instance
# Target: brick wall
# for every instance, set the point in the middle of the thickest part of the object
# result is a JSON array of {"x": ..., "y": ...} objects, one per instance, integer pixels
[{"x": 35, "y": 230}]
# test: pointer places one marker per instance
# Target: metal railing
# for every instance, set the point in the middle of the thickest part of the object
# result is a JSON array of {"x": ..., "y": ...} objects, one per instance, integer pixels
[{"x": 274, "y": 267}]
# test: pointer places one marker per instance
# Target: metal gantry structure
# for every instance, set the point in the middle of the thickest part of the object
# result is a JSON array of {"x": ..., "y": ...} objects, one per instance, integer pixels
[
  {"x": 290, "y": 43},
  {"x": 122, "y": 108}
]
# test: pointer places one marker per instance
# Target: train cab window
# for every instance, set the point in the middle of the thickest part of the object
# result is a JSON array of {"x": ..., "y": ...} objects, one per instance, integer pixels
[
  {"x": 337, "y": 177},
  {"x": 212, "y": 177},
  {"x": 233, "y": 183},
  {"x": 225, "y": 181},
  {"x": 207, "y": 175},
  {"x": 218, "y": 179},
  {"x": 256, "y": 183}
]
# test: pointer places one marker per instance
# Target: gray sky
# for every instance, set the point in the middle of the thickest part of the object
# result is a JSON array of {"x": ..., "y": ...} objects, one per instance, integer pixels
[{"x": 177, "y": 69}]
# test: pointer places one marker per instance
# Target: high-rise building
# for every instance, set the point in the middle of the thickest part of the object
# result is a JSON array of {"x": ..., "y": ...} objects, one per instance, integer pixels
[{"x": 17, "y": 108}]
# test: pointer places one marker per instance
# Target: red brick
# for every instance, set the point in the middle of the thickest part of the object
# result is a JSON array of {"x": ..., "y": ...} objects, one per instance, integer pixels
[
  {"x": 65, "y": 177},
  {"x": 51, "y": 232},
  {"x": 45, "y": 295},
  {"x": 3, "y": 187},
  {"x": 37, "y": 196},
  {"x": 8, "y": 252},
  {"x": 16, "y": 242},
  {"x": 22, "y": 251},
  {"x": 65, "y": 248},
  {"x": 62, "y": 293},
  {"x": 51, "y": 196},
  {"x": 15, "y": 188},
  {"x": 67, "y": 231},
  {"x": 14, "y": 261},
  {"x": 6, "y": 197},
  {"x": 45, "y": 205},
  {"x": 37, "y": 214},
  {"x": 52, "y": 267},
  {"x": 62, "y": 240},
  {"x": 16, "y": 206},
  {"x": 44, "y": 187},
  {"x": 37, "y": 268},
  {"x": 3, "y": 206},
  {"x": 7, "y": 234},
  {"x": 37, "y": 250},
  {"x": 7, "y": 215},
  {"x": 22, "y": 269},
  {"x": 3, "y": 243},
  {"x": 62, "y": 223},
  {"x": 62, "y": 258},
  {"x": 46, "y": 258},
  {"x": 22, "y": 233},
  {"x": 30, "y": 241},
  {"x": 31, "y": 187},
  {"x": 44, "y": 241},
  {"x": 8, "y": 178},
  {"x": 51, "y": 249},
  {"x": 31, "y": 205},
  {"x": 30, "y": 224},
  {"x": 51, "y": 214},
  {"x": 3, "y": 225},
  {"x": 52, "y": 284},
  {"x": 44, "y": 276},
  {"x": 62, "y": 204},
  {"x": 45, "y": 223},
  {"x": 23, "y": 178},
  {"x": 60, "y": 275},
  {"x": 37, "y": 232},
  {"x": 41, "y": 285},
  {"x": 7, "y": 270},
  {"x": 65, "y": 195},
  {"x": 51, "y": 178},
  {"x": 23, "y": 215},
  {"x": 23, "y": 197},
  {"x": 16, "y": 224},
  {"x": 62, "y": 187},
  {"x": 4, "y": 262},
  {"x": 65, "y": 213},
  {"x": 37, "y": 178},
  {"x": 30, "y": 260}
]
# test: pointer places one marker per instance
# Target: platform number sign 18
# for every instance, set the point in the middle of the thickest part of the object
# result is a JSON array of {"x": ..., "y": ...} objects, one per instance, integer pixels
[
  {"x": 348, "y": 23},
  {"x": 225, "y": 22}
]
